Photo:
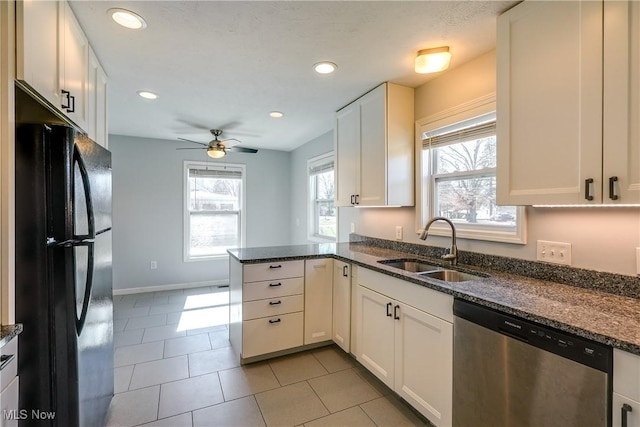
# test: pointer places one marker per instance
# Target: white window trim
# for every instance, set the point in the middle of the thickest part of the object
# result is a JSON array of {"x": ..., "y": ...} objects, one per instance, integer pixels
[
  {"x": 185, "y": 210},
  {"x": 477, "y": 107},
  {"x": 310, "y": 213}
]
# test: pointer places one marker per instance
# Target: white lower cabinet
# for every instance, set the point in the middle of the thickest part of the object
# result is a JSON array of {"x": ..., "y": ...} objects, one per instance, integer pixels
[
  {"x": 318, "y": 298},
  {"x": 626, "y": 389},
  {"x": 342, "y": 304},
  {"x": 406, "y": 347}
]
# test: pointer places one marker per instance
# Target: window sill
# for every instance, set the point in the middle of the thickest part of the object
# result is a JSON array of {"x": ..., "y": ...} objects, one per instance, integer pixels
[{"x": 220, "y": 257}]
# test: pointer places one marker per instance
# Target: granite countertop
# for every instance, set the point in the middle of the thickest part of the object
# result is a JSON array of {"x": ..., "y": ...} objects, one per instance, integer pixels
[
  {"x": 8, "y": 332},
  {"x": 594, "y": 314}
]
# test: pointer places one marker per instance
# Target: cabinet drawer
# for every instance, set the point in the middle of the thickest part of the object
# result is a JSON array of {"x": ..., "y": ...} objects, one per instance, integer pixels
[
  {"x": 9, "y": 404},
  {"x": 272, "y": 289},
  {"x": 269, "y": 334},
  {"x": 274, "y": 270},
  {"x": 632, "y": 415},
  {"x": 626, "y": 374},
  {"x": 10, "y": 368},
  {"x": 272, "y": 307}
]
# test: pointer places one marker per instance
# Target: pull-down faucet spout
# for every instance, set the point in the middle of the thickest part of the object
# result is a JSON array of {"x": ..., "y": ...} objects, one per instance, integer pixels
[{"x": 452, "y": 253}]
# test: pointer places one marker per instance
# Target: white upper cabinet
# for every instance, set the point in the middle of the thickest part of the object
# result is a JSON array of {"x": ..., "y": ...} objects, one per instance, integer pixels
[
  {"x": 374, "y": 144},
  {"x": 97, "y": 102},
  {"x": 567, "y": 133}
]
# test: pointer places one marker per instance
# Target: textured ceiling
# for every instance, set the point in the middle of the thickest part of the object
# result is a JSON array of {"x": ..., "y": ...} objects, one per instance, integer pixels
[{"x": 227, "y": 64}]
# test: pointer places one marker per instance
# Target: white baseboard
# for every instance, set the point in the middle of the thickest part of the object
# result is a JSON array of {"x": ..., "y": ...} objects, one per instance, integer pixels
[{"x": 171, "y": 287}]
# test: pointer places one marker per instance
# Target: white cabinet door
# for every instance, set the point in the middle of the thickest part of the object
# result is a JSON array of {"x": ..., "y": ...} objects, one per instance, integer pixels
[
  {"x": 373, "y": 150},
  {"x": 318, "y": 300},
  {"x": 625, "y": 407},
  {"x": 424, "y": 363},
  {"x": 9, "y": 404},
  {"x": 74, "y": 63},
  {"x": 37, "y": 47},
  {"x": 342, "y": 304},
  {"x": 621, "y": 161},
  {"x": 347, "y": 149},
  {"x": 375, "y": 334},
  {"x": 549, "y": 100},
  {"x": 97, "y": 102}
]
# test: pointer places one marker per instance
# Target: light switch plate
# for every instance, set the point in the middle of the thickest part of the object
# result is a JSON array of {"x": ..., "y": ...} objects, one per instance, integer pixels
[{"x": 555, "y": 252}]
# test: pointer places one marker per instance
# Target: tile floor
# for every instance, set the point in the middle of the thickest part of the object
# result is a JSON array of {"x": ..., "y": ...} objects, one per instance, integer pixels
[{"x": 174, "y": 367}]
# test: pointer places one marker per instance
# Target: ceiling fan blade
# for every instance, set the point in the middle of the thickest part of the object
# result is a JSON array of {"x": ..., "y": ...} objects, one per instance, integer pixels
[
  {"x": 195, "y": 142},
  {"x": 203, "y": 148},
  {"x": 242, "y": 149}
]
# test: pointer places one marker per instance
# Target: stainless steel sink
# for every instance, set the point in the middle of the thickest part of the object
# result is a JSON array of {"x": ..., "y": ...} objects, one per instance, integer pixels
[
  {"x": 450, "y": 275},
  {"x": 413, "y": 266}
]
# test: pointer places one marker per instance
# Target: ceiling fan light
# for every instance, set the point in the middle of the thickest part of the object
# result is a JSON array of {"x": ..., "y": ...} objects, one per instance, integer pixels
[
  {"x": 432, "y": 60},
  {"x": 215, "y": 152}
]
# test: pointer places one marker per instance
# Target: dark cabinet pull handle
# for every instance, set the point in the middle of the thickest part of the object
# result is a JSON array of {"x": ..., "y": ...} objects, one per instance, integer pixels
[
  {"x": 275, "y": 302},
  {"x": 353, "y": 200},
  {"x": 388, "y": 307},
  {"x": 357, "y": 199},
  {"x": 4, "y": 360},
  {"x": 587, "y": 189},
  {"x": 345, "y": 271},
  {"x": 395, "y": 312},
  {"x": 65, "y": 94},
  {"x": 273, "y": 267},
  {"x": 72, "y": 109},
  {"x": 274, "y": 321},
  {"x": 624, "y": 411},
  {"x": 273, "y": 285},
  {"x": 612, "y": 184}
]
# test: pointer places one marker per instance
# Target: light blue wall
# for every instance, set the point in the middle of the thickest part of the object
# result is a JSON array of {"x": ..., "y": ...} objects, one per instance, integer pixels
[{"x": 148, "y": 210}]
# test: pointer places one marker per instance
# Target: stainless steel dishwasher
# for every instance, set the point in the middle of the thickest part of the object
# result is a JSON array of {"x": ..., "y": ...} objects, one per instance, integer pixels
[{"x": 510, "y": 372}]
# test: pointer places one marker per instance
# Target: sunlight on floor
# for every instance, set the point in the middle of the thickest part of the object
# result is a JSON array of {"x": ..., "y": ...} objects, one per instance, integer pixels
[{"x": 204, "y": 311}]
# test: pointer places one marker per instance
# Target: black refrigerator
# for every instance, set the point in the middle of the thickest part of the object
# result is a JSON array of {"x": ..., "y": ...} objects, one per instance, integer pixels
[{"x": 63, "y": 275}]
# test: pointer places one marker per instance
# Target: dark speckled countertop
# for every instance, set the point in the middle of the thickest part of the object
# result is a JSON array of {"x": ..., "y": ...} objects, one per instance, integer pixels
[{"x": 596, "y": 314}]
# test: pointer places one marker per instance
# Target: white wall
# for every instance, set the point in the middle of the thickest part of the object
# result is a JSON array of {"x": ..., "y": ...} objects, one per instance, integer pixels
[
  {"x": 300, "y": 186},
  {"x": 602, "y": 239},
  {"x": 148, "y": 210}
]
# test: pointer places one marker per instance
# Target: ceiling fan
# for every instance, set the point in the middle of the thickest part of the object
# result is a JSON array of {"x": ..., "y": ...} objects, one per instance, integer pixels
[{"x": 217, "y": 148}]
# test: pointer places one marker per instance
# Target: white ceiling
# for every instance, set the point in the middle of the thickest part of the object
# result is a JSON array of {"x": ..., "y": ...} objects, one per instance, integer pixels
[{"x": 227, "y": 64}]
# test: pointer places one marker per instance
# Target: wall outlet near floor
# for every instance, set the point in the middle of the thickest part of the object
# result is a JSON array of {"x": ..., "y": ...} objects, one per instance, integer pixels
[
  {"x": 153, "y": 265},
  {"x": 353, "y": 227},
  {"x": 638, "y": 261},
  {"x": 398, "y": 232},
  {"x": 555, "y": 252}
]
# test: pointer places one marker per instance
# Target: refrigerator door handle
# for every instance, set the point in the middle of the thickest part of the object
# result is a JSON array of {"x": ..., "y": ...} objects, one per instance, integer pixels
[
  {"x": 80, "y": 320},
  {"x": 82, "y": 168},
  {"x": 51, "y": 241}
]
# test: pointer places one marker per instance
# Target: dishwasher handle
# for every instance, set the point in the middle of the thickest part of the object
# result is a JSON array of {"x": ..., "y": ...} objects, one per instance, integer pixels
[{"x": 624, "y": 412}]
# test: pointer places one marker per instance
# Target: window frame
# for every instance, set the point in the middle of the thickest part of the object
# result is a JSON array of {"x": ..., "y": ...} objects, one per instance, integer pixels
[
  {"x": 312, "y": 218},
  {"x": 425, "y": 192},
  {"x": 186, "y": 219}
]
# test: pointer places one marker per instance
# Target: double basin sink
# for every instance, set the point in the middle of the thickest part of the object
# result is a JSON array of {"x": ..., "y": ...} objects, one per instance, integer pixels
[{"x": 432, "y": 271}]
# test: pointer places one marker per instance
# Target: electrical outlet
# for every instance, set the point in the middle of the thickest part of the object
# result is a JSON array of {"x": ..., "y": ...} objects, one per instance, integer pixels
[
  {"x": 153, "y": 265},
  {"x": 555, "y": 252},
  {"x": 638, "y": 261},
  {"x": 353, "y": 227},
  {"x": 398, "y": 232}
]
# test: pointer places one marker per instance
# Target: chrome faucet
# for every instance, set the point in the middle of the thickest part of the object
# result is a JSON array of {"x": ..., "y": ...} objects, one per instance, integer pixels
[{"x": 451, "y": 254}]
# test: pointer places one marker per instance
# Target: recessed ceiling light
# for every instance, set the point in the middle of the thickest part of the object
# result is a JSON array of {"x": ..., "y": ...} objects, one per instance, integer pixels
[
  {"x": 276, "y": 114},
  {"x": 325, "y": 67},
  {"x": 127, "y": 18},
  {"x": 147, "y": 95}
]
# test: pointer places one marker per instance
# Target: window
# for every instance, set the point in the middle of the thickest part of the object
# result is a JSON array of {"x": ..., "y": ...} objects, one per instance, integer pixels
[
  {"x": 459, "y": 178},
  {"x": 322, "y": 212},
  {"x": 213, "y": 220}
]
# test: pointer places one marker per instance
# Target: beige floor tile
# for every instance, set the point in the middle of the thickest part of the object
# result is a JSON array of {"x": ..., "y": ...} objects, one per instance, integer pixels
[
  {"x": 343, "y": 389},
  {"x": 158, "y": 333},
  {"x": 149, "y": 299},
  {"x": 373, "y": 380},
  {"x": 391, "y": 412},
  {"x": 189, "y": 394},
  {"x": 127, "y": 337},
  {"x": 219, "y": 339},
  {"x": 134, "y": 407},
  {"x": 297, "y": 367},
  {"x": 166, "y": 308},
  {"x": 119, "y": 324},
  {"x": 206, "y": 362},
  {"x": 182, "y": 420},
  {"x": 126, "y": 312},
  {"x": 333, "y": 358},
  {"x": 216, "y": 328},
  {"x": 246, "y": 380},
  {"x": 352, "y": 417},
  {"x": 237, "y": 413},
  {"x": 122, "y": 378},
  {"x": 146, "y": 321},
  {"x": 185, "y": 345},
  {"x": 291, "y": 405},
  {"x": 132, "y": 354},
  {"x": 159, "y": 371}
]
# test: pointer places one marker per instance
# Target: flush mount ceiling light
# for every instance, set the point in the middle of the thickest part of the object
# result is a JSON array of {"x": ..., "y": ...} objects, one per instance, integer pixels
[
  {"x": 432, "y": 60},
  {"x": 325, "y": 67},
  {"x": 147, "y": 95},
  {"x": 127, "y": 18},
  {"x": 276, "y": 114}
]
